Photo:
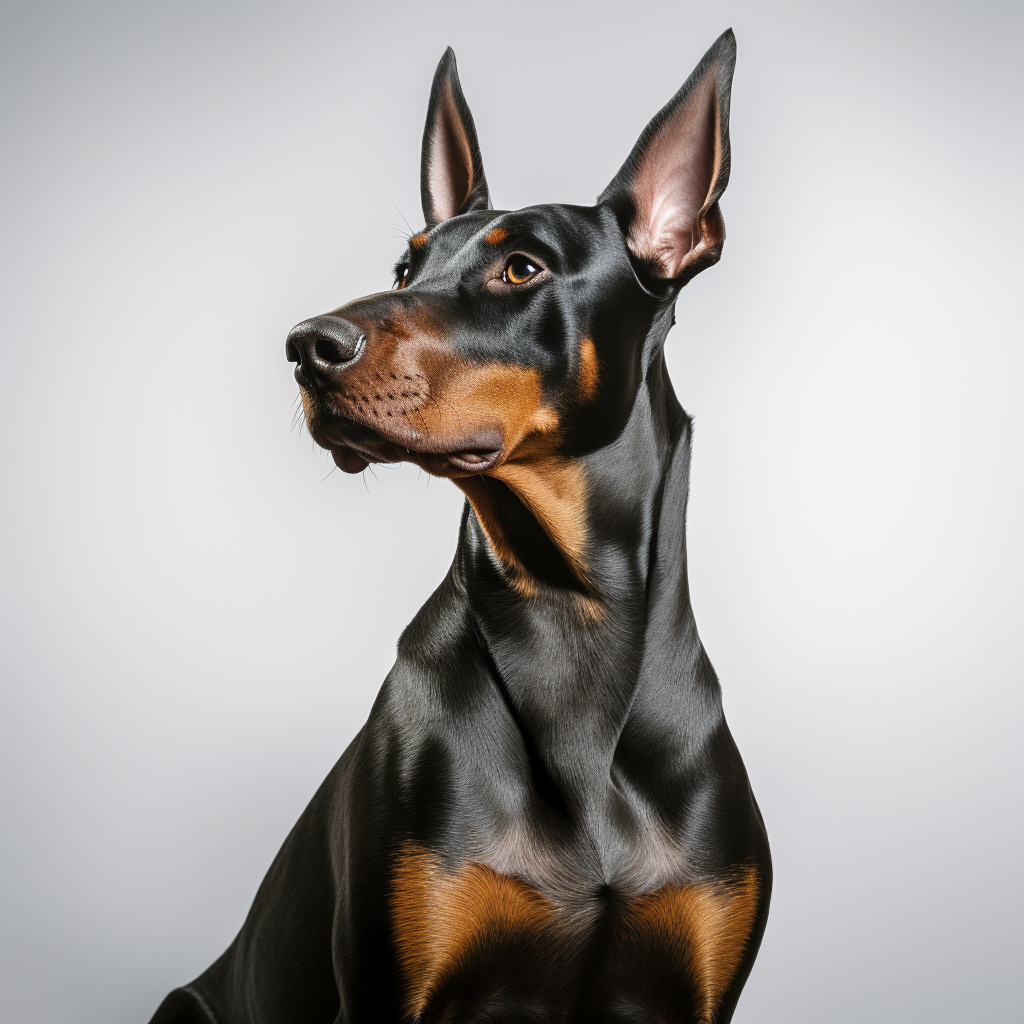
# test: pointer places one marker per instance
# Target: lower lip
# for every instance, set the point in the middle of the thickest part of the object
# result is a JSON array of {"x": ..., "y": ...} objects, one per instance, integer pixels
[
  {"x": 348, "y": 460},
  {"x": 474, "y": 461}
]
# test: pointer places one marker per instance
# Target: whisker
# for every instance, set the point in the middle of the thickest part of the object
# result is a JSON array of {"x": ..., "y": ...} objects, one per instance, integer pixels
[{"x": 402, "y": 215}]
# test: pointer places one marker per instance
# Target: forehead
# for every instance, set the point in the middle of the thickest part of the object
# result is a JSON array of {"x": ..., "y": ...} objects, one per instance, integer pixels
[{"x": 559, "y": 234}]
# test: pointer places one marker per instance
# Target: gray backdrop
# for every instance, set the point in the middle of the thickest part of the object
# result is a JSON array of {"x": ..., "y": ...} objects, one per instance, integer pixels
[{"x": 195, "y": 621}]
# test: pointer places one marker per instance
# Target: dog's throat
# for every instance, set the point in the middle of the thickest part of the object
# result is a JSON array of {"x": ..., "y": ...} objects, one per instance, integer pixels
[{"x": 522, "y": 544}]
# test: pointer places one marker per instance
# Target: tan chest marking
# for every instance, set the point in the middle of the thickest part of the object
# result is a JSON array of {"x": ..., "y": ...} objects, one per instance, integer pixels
[
  {"x": 706, "y": 925},
  {"x": 439, "y": 915}
]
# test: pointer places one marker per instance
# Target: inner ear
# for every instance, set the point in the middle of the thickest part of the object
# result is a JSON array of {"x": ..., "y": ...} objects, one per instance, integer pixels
[
  {"x": 666, "y": 194},
  {"x": 674, "y": 186},
  {"x": 451, "y": 173}
]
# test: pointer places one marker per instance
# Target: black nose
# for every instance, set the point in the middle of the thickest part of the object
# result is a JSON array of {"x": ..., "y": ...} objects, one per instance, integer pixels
[{"x": 323, "y": 347}]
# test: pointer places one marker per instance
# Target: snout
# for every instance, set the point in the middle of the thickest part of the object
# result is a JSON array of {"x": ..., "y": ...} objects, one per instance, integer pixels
[{"x": 323, "y": 348}]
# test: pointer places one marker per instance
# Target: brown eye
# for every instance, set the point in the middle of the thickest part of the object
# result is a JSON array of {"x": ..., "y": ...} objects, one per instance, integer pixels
[
  {"x": 401, "y": 275},
  {"x": 520, "y": 269}
]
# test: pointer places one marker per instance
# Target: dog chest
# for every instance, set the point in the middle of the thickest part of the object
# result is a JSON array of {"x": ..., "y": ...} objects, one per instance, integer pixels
[{"x": 477, "y": 944}]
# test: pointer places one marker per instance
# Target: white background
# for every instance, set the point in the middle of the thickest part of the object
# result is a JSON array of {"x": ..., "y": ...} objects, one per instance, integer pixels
[{"x": 195, "y": 622}]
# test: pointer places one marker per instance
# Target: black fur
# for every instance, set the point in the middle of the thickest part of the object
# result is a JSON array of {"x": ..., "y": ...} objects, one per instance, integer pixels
[{"x": 558, "y": 724}]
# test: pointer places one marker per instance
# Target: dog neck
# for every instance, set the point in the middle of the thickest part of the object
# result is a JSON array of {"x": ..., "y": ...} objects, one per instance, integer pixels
[{"x": 577, "y": 658}]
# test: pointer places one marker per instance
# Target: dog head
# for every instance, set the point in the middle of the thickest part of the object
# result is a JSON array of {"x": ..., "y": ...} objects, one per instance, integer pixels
[{"x": 513, "y": 343}]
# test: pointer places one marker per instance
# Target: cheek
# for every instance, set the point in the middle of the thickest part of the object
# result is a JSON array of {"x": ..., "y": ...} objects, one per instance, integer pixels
[{"x": 495, "y": 395}]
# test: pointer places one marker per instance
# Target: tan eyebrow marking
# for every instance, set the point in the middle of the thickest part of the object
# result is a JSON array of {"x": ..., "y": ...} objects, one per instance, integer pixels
[
  {"x": 496, "y": 237},
  {"x": 418, "y": 241},
  {"x": 588, "y": 369}
]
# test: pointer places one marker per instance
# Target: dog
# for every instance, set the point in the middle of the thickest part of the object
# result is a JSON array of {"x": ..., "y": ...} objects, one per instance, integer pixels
[{"x": 545, "y": 817}]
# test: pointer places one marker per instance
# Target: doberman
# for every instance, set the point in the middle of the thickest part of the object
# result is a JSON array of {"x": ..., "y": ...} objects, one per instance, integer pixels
[{"x": 545, "y": 817}]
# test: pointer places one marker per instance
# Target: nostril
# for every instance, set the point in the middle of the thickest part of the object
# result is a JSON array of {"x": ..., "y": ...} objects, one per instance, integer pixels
[
  {"x": 291, "y": 352},
  {"x": 331, "y": 350}
]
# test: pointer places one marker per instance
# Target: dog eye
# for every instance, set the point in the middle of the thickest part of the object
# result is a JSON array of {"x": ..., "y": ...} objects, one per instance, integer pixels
[
  {"x": 519, "y": 270},
  {"x": 401, "y": 275}
]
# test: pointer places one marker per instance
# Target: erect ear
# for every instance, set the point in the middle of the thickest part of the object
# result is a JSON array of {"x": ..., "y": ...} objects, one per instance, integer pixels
[
  {"x": 666, "y": 193},
  {"x": 451, "y": 170}
]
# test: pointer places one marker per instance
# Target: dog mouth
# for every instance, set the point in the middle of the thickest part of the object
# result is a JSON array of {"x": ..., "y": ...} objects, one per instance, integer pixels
[
  {"x": 354, "y": 445},
  {"x": 471, "y": 460}
]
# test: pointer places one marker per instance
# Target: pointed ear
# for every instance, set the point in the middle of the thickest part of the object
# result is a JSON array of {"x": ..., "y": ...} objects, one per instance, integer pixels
[
  {"x": 451, "y": 170},
  {"x": 666, "y": 194}
]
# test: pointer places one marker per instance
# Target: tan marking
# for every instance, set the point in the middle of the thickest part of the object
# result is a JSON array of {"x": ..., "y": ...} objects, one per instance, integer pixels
[
  {"x": 496, "y": 237},
  {"x": 708, "y": 925},
  {"x": 475, "y": 489},
  {"x": 552, "y": 488},
  {"x": 590, "y": 610},
  {"x": 588, "y": 370},
  {"x": 418, "y": 241},
  {"x": 438, "y": 915},
  {"x": 410, "y": 379},
  {"x": 555, "y": 491}
]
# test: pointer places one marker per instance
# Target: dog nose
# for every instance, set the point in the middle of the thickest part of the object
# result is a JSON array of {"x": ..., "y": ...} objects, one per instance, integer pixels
[{"x": 323, "y": 347}]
